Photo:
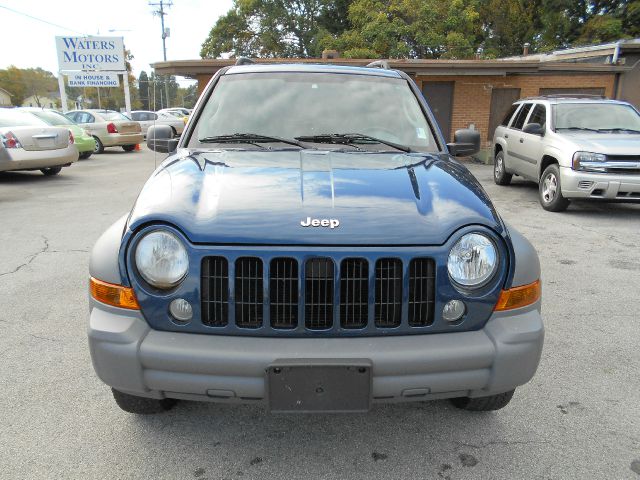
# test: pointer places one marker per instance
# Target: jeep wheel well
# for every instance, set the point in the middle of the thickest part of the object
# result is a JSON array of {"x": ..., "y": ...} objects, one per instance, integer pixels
[
  {"x": 497, "y": 149},
  {"x": 546, "y": 161}
]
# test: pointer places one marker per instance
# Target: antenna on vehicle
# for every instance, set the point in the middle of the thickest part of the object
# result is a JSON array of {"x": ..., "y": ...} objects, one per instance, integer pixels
[
  {"x": 244, "y": 61},
  {"x": 379, "y": 64}
]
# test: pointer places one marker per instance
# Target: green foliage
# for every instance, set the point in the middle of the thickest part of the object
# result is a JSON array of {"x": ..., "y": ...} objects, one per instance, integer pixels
[
  {"x": 21, "y": 83},
  {"x": 417, "y": 28}
]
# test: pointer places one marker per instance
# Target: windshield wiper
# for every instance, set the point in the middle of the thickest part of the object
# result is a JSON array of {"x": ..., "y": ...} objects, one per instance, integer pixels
[
  {"x": 249, "y": 138},
  {"x": 348, "y": 138},
  {"x": 577, "y": 128},
  {"x": 631, "y": 130}
]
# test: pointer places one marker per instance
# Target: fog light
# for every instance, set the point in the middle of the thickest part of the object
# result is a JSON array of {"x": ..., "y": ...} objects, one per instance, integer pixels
[
  {"x": 181, "y": 310},
  {"x": 453, "y": 310}
]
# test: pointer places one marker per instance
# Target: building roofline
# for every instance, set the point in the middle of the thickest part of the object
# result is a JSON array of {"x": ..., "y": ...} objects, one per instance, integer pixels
[{"x": 208, "y": 66}]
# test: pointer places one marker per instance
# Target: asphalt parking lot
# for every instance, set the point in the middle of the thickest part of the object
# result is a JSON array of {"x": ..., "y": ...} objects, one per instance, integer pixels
[{"x": 578, "y": 418}]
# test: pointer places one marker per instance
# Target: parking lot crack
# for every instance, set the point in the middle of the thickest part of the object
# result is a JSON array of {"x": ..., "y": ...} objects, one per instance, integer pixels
[{"x": 30, "y": 258}]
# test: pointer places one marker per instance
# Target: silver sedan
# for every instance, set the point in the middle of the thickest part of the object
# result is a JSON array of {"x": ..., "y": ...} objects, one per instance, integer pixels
[
  {"x": 109, "y": 128},
  {"x": 27, "y": 143}
]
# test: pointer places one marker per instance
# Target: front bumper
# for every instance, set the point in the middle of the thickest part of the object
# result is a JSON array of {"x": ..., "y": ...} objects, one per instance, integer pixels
[
  {"x": 603, "y": 186},
  {"x": 130, "y": 356},
  {"x": 120, "y": 139}
]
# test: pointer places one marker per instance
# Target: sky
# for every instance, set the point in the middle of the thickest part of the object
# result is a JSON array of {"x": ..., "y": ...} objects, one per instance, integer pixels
[{"x": 29, "y": 43}]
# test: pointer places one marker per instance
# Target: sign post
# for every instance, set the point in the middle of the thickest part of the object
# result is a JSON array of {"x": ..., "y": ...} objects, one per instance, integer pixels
[{"x": 92, "y": 62}]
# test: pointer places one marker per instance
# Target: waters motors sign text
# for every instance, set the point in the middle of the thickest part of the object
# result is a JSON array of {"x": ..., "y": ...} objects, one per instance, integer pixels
[{"x": 90, "y": 53}]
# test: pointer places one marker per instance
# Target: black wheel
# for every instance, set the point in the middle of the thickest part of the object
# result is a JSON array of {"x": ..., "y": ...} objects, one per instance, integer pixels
[
  {"x": 483, "y": 404},
  {"x": 128, "y": 148},
  {"x": 550, "y": 190},
  {"x": 175, "y": 132},
  {"x": 85, "y": 155},
  {"x": 142, "y": 405},
  {"x": 99, "y": 148},
  {"x": 500, "y": 175},
  {"x": 49, "y": 172}
]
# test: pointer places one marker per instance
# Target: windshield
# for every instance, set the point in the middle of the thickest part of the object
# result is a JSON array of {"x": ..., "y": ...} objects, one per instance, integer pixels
[
  {"x": 53, "y": 118},
  {"x": 16, "y": 118},
  {"x": 113, "y": 116},
  {"x": 596, "y": 116},
  {"x": 290, "y": 105}
]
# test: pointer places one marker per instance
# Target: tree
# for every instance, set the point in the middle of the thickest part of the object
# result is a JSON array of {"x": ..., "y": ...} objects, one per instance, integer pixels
[
  {"x": 24, "y": 82},
  {"x": 276, "y": 28},
  {"x": 410, "y": 29},
  {"x": 143, "y": 89}
]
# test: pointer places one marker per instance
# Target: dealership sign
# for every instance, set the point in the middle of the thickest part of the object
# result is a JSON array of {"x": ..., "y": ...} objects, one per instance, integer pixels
[
  {"x": 94, "y": 80},
  {"x": 90, "y": 53}
]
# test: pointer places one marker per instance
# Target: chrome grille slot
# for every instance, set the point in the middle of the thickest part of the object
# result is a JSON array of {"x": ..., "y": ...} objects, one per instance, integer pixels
[
  {"x": 354, "y": 293},
  {"x": 215, "y": 291},
  {"x": 319, "y": 283},
  {"x": 388, "y": 300},
  {"x": 421, "y": 292},
  {"x": 249, "y": 294},
  {"x": 283, "y": 292}
]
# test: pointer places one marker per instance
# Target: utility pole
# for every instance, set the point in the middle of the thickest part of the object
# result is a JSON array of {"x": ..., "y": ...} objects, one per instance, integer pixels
[{"x": 165, "y": 33}]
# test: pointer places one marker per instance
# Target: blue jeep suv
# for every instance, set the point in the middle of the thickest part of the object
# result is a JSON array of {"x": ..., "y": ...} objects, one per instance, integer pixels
[{"x": 312, "y": 244}]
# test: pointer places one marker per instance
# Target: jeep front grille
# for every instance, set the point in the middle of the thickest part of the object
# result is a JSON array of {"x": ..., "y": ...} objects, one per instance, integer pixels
[
  {"x": 215, "y": 291},
  {"x": 318, "y": 294}
]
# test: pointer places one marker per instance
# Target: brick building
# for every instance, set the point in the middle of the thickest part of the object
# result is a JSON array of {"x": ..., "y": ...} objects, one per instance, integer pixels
[{"x": 477, "y": 93}]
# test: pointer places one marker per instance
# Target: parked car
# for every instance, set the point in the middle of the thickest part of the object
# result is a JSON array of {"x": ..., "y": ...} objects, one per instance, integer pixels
[
  {"x": 82, "y": 140},
  {"x": 147, "y": 119},
  {"x": 109, "y": 128},
  {"x": 311, "y": 244},
  {"x": 182, "y": 113},
  {"x": 574, "y": 148},
  {"x": 28, "y": 143}
]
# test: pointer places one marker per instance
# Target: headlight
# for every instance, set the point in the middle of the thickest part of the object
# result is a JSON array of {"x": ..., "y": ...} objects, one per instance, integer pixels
[
  {"x": 162, "y": 259},
  {"x": 581, "y": 160},
  {"x": 472, "y": 260}
]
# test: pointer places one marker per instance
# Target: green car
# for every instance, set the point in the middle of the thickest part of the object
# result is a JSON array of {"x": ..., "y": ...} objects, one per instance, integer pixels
[{"x": 84, "y": 142}]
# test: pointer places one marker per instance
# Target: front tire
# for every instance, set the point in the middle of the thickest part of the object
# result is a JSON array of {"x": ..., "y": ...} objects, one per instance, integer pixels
[
  {"x": 85, "y": 155},
  {"x": 550, "y": 190},
  {"x": 500, "y": 175},
  {"x": 99, "y": 148},
  {"x": 128, "y": 148},
  {"x": 483, "y": 404},
  {"x": 142, "y": 405},
  {"x": 51, "y": 171}
]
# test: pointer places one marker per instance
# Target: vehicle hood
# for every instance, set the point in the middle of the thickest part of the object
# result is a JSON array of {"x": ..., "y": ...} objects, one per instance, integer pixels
[
  {"x": 607, "y": 143},
  {"x": 261, "y": 197}
]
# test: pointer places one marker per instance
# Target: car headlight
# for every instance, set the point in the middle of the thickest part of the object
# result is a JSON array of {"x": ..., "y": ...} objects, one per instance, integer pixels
[
  {"x": 472, "y": 260},
  {"x": 581, "y": 160},
  {"x": 162, "y": 259}
]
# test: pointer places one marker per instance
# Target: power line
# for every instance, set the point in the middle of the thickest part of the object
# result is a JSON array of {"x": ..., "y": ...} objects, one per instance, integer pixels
[{"x": 41, "y": 20}]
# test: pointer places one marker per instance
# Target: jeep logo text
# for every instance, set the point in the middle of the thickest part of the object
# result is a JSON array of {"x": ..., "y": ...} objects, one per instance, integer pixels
[{"x": 320, "y": 222}]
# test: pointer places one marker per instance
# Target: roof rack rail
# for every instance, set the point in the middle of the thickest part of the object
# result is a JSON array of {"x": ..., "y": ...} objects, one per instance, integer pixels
[
  {"x": 573, "y": 95},
  {"x": 244, "y": 61},
  {"x": 379, "y": 64}
]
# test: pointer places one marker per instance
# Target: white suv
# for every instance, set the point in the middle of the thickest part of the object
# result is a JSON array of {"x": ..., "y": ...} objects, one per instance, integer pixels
[{"x": 585, "y": 148}]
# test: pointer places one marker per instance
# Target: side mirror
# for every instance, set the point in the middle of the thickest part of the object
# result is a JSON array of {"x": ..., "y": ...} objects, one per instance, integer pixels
[
  {"x": 534, "y": 129},
  {"x": 465, "y": 142},
  {"x": 160, "y": 139}
]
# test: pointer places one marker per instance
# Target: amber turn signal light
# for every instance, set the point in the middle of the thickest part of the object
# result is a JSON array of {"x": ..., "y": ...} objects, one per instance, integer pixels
[
  {"x": 114, "y": 295},
  {"x": 519, "y": 296}
]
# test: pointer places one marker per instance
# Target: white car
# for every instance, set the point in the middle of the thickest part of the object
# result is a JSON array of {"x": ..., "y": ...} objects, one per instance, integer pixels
[
  {"x": 573, "y": 147},
  {"x": 28, "y": 143},
  {"x": 147, "y": 118},
  {"x": 109, "y": 128}
]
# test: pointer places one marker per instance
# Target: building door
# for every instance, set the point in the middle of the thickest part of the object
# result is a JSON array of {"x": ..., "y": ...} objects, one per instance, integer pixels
[
  {"x": 501, "y": 101},
  {"x": 439, "y": 96}
]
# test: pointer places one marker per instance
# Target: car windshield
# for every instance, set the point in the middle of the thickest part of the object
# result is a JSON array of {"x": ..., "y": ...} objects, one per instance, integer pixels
[
  {"x": 53, "y": 118},
  {"x": 16, "y": 118},
  {"x": 596, "y": 116},
  {"x": 293, "y": 104},
  {"x": 113, "y": 116}
]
